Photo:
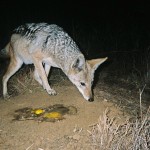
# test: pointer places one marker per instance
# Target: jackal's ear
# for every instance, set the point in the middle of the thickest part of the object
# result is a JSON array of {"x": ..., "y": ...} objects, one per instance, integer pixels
[
  {"x": 94, "y": 63},
  {"x": 79, "y": 63}
]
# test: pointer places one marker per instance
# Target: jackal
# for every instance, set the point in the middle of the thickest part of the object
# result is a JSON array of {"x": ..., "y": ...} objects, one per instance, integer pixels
[{"x": 48, "y": 46}]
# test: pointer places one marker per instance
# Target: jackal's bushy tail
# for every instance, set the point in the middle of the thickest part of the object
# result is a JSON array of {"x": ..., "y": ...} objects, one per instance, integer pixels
[{"x": 4, "y": 53}]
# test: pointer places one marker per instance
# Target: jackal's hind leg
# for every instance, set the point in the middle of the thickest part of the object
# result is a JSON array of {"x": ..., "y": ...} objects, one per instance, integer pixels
[
  {"x": 41, "y": 74},
  {"x": 15, "y": 64},
  {"x": 47, "y": 69},
  {"x": 37, "y": 77}
]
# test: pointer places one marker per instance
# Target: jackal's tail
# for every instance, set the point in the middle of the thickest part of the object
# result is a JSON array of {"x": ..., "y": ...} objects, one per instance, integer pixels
[{"x": 4, "y": 53}]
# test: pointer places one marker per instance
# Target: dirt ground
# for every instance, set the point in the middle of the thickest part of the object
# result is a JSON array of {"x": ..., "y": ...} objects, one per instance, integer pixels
[{"x": 68, "y": 134}]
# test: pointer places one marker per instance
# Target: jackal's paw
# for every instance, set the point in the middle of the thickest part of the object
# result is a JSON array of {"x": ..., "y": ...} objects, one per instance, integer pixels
[
  {"x": 51, "y": 92},
  {"x": 6, "y": 96}
]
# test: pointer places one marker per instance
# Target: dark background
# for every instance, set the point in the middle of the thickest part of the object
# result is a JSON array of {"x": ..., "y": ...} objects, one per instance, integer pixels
[
  {"x": 128, "y": 20},
  {"x": 117, "y": 29}
]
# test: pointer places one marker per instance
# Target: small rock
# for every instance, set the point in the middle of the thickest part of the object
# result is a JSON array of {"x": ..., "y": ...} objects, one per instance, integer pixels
[
  {"x": 76, "y": 137},
  {"x": 105, "y": 100}
]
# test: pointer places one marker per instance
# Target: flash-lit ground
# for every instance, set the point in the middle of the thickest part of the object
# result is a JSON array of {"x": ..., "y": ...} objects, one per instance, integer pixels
[{"x": 70, "y": 133}]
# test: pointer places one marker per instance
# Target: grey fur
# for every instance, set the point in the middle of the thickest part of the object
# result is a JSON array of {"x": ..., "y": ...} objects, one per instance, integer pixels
[{"x": 51, "y": 39}]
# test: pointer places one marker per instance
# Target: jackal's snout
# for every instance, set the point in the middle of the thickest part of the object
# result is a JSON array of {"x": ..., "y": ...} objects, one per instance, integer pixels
[{"x": 87, "y": 94}]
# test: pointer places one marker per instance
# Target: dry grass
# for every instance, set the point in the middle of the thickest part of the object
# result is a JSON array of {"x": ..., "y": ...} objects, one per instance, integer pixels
[
  {"x": 132, "y": 135},
  {"x": 23, "y": 81}
]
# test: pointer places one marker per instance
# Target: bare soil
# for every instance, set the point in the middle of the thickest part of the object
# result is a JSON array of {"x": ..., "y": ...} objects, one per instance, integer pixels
[
  {"x": 68, "y": 134},
  {"x": 71, "y": 133}
]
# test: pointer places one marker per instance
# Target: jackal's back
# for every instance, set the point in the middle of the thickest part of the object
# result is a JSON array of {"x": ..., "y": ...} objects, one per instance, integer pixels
[{"x": 48, "y": 37}]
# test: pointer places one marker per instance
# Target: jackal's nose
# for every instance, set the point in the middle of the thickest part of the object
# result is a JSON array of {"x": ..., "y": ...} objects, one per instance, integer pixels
[{"x": 91, "y": 99}]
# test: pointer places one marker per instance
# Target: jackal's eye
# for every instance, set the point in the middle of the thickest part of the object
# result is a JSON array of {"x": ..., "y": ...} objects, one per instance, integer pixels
[{"x": 82, "y": 83}]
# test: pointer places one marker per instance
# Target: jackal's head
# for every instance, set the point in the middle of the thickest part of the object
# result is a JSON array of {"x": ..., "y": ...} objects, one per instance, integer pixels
[{"x": 81, "y": 73}]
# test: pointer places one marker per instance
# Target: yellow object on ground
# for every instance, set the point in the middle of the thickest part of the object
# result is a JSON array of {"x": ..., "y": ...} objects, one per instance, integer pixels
[
  {"x": 38, "y": 111},
  {"x": 54, "y": 115}
]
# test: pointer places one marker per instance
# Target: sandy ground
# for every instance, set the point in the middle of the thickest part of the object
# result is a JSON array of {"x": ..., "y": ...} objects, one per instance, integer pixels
[{"x": 68, "y": 134}]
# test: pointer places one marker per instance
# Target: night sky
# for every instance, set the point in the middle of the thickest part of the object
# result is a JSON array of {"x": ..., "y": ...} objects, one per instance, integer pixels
[{"x": 115, "y": 17}]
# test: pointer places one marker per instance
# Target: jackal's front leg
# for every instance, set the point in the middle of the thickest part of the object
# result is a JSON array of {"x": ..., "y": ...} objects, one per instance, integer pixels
[{"x": 42, "y": 74}]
